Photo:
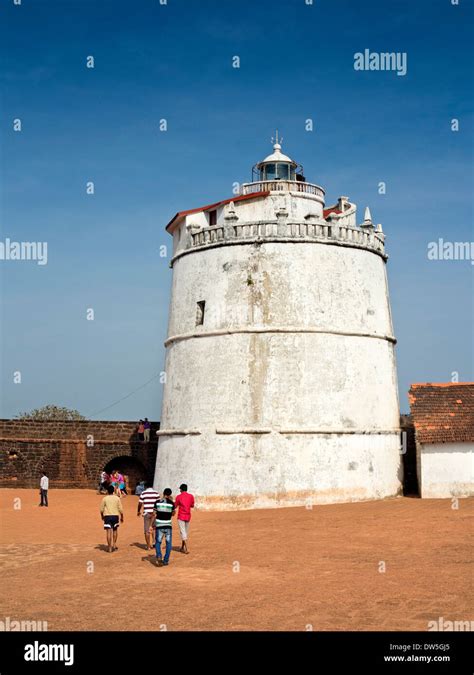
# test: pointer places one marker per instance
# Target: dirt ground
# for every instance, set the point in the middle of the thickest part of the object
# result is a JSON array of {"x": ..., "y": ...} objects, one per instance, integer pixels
[{"x": 279, "y": 569}]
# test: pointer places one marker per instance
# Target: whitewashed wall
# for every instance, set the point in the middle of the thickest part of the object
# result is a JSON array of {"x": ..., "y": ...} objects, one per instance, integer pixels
[
  {"x": 324, "y": 365},
  {"x": 243, "y": 471},
  {"x": 446, "y": 469},
  {"x": 288, "y": 391}
]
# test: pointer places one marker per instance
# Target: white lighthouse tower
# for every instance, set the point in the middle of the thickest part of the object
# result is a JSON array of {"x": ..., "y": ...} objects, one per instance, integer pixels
[{"x": 281, "y": 385}]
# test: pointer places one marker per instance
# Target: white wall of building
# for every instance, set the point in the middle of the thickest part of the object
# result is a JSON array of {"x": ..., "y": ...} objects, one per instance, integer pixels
[
  {"x": 294, "y": 344},
  {"x": 446, "y": 469},
  {"x": 252, "y": 210},
  {"x": 241, "y": 471},
  {"x": 287, "y": 284}
]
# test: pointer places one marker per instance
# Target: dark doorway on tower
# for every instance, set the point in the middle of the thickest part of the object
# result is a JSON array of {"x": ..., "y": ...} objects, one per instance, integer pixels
[{"x": 130, "y": 467}]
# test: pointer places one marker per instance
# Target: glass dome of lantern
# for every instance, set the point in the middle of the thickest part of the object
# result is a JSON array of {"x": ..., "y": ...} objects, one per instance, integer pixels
[{"x": 277, "y": 166}]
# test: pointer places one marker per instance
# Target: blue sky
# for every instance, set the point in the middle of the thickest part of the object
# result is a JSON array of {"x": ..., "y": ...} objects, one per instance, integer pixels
[{"x": 174, "y": 61}]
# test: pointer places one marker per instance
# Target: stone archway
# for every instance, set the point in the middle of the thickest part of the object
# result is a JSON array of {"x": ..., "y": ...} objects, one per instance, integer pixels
[{"x": 130, "y": 466}]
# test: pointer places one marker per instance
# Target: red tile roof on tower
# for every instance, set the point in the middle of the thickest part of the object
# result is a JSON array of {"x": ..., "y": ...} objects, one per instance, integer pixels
[
  {"x": 443, "y": 412},
  {"x": 211, "y": 207}
]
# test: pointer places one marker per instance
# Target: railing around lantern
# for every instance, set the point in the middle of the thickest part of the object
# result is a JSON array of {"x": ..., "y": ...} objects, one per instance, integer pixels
[{"x": 282, "y": 186}]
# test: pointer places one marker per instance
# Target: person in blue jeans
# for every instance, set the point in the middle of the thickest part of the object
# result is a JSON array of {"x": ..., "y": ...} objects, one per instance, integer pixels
[{"x": 164, "y": 511}]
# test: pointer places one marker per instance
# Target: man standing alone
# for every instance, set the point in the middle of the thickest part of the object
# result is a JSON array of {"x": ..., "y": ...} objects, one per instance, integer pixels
[
  {"x": 184, "y": 502},
  {"x": 44, "y": 487}
]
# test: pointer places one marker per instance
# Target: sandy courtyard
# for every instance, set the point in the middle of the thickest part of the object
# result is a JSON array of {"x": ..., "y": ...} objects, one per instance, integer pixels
[{"x": 281, "y": 569}]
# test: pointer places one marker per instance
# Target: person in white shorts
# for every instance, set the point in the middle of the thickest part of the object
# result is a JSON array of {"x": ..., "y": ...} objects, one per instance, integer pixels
[{"x": 184, "y": 502}]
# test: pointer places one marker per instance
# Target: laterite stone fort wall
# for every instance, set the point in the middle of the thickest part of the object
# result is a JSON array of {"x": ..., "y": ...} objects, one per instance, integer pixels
[{"x": 72, "y": 453}]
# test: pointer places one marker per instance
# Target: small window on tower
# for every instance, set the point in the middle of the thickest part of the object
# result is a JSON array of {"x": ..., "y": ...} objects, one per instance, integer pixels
[
  {"x": 200, "y": 312},
  {"x": 213, "y": 217}
]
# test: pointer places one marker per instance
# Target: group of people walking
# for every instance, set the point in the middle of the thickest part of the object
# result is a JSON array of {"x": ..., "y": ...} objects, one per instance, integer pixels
[{"x": 158, "y": 512}]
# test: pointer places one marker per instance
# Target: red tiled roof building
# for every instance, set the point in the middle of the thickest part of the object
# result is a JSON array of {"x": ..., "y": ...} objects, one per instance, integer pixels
[{"x": 443, "y": 417}]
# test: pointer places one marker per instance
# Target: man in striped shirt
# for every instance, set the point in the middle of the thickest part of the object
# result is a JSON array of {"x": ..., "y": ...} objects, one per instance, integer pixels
[
  {"x": 164, "y": 511},
  {"x": 147, "y": 500}
]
